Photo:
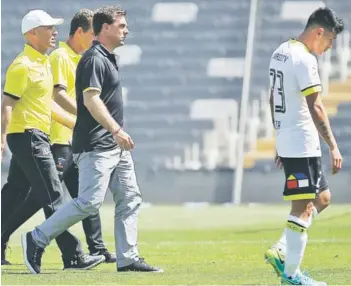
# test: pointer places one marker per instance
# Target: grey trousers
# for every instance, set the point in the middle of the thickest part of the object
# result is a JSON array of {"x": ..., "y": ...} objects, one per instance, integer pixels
[{"x": 97, "y": 172}]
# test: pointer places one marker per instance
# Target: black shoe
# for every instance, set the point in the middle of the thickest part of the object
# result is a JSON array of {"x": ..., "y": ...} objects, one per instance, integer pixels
[
  {"x": 109, "y": 257},
  {"x": 83, "y": 262},
  {"x": 5, "y": 262},
  {"x": 139, "y": 266},
  {"x": 32, "y": 253},
  {"x": 3, "y": 254}
]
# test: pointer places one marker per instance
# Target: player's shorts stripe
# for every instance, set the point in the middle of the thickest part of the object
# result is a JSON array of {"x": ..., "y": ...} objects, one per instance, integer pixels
[
  {"x": 295, "y": 226},
  {"x": 91, "y": 88},
  {"x": 312, "y": 89},
  {"x": 300, "y": 197},
  {"x": 12, "y": 96},
  {"x": 60, "y": 86}
]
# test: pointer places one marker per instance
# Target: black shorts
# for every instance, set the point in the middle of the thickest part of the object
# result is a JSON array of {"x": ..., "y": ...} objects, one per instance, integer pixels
[{"x": 304, "y": 178}]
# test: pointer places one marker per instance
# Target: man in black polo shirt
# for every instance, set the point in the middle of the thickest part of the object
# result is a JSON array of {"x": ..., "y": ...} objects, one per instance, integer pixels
[{"x": 101, "y": 150}]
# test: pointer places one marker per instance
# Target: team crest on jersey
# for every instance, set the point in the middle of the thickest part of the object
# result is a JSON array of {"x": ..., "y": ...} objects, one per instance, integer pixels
[{"x": 296, "y": 181}]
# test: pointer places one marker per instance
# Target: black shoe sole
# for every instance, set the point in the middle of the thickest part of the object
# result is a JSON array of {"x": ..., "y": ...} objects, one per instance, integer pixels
[
  {"x": 5, "y": 262},
  {"x": 101, "y": 260},
  {"x": 24, "y": 247}
]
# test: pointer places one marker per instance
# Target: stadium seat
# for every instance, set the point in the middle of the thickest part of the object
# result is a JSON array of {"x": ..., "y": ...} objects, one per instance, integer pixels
[
  {"x": 226, "y": 67},
  {"x": 176, "y": 13},
  {"x": 128, "y": 55},
  {"x": 299, "y": 10}
]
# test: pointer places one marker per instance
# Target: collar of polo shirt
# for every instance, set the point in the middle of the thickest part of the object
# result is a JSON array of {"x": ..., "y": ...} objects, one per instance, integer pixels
[
  {"x": 33, "y": 53},
  {"x": 102, "y": 49},
  {"x": 70, "y": 52}
]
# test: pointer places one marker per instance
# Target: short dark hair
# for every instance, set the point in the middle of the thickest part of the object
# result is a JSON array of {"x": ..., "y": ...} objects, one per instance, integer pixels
[
  {"x": 81, "y": 19},
  {"x": 106, "y": 15},
  {"x": 326, "y": 18}
]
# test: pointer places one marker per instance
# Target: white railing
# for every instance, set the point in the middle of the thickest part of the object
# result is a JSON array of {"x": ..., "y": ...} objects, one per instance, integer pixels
[
  {"x": 325, "y": 71},
  {"x": 217, "y": 146},
  {"x": 340, "y": 69},
  {"x": 266, "y": 117},
  {"x": 343, "y": 53},
  {"x": 253, "y": 125}
]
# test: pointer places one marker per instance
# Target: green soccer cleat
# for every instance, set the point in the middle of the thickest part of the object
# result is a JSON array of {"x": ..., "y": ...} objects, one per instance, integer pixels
[
  {"x": 301, "y": 279},
  {"x": 276, "y": 258}
]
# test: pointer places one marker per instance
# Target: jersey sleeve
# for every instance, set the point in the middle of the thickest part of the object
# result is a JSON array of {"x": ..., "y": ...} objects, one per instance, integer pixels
[
  {"x": 16, "y": 80},
  {"x": 59, "y": 70},
  {"x": 93, "y": 71},
  {"x": 306, "y": 70}
]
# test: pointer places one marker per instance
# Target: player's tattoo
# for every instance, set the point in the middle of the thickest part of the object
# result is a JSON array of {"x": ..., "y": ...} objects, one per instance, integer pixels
[{"x": 326, "y": 132}]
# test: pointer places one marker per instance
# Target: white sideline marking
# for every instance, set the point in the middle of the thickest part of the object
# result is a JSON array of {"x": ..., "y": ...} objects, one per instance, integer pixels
[{"x": 207, "y": 242}]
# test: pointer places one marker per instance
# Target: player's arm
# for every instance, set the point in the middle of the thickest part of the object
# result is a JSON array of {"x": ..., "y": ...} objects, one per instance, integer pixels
[
  {"x": 306, "y": 70},
  {"x": 320, "y": 119},
  {"x": 64, "y": 100},
  {"x": 15, "y": 86},
  {"x": 60, "y": 116},
  {"x": 271, "y": 104},
  {"x": 59, "y": 68}
]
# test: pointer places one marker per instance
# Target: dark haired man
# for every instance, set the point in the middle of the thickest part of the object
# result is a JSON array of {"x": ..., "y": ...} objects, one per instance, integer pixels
[
  {"x": 64, "y": 61},
  {"x": 299, "y": 118},
  {"x": 101, "y": 150}
]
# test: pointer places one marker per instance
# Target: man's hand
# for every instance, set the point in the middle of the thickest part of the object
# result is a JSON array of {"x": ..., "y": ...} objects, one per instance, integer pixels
[
  {"x": 123, "y": 140},
  {"x": 336, "y": 160},
  {"x": 3, "y": 143},
  {"x": 277, "y": 161}
]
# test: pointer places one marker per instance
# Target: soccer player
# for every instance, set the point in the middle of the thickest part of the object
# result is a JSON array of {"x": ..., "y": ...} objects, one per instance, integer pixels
[
  {"x": 299, "y": 116},
  {"x": 27, "y": 109},
  {"x": 101, "y": 150}
]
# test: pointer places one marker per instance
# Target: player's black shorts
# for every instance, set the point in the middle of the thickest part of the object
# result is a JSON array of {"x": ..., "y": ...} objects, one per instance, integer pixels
[{"x": 304, "y": 178}]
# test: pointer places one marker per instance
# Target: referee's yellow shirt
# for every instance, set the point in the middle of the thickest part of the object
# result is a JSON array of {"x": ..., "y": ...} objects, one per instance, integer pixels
[
  {"x": 29, "y": 80},
  {"x": 64, "y": 63}
]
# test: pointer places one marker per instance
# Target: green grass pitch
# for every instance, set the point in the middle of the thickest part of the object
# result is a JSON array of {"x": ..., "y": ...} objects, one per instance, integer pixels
[{"x": 201, "y": 246}]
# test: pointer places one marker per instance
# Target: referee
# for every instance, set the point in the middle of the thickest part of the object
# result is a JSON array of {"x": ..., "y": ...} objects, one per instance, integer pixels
[{"x": 25, "y": 123}]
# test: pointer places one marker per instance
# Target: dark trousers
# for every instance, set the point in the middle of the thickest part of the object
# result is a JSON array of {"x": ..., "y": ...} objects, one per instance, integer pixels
[
  {"x": 33, "y": 183},
  {"x": 68, "y": 171}
]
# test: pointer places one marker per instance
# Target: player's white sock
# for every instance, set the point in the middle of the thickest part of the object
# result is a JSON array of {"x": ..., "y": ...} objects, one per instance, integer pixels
[
  {"x": 281, "y": 243},
  {"x": 296, "y": 240}
]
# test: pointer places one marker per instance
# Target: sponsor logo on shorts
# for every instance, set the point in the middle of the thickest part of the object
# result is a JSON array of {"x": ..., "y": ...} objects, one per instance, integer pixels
[{"x": 296, "y": 181}]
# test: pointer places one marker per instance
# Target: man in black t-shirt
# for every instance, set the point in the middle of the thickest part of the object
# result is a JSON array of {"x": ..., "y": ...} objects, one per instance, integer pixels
[{"x": 101, "y": 150}]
